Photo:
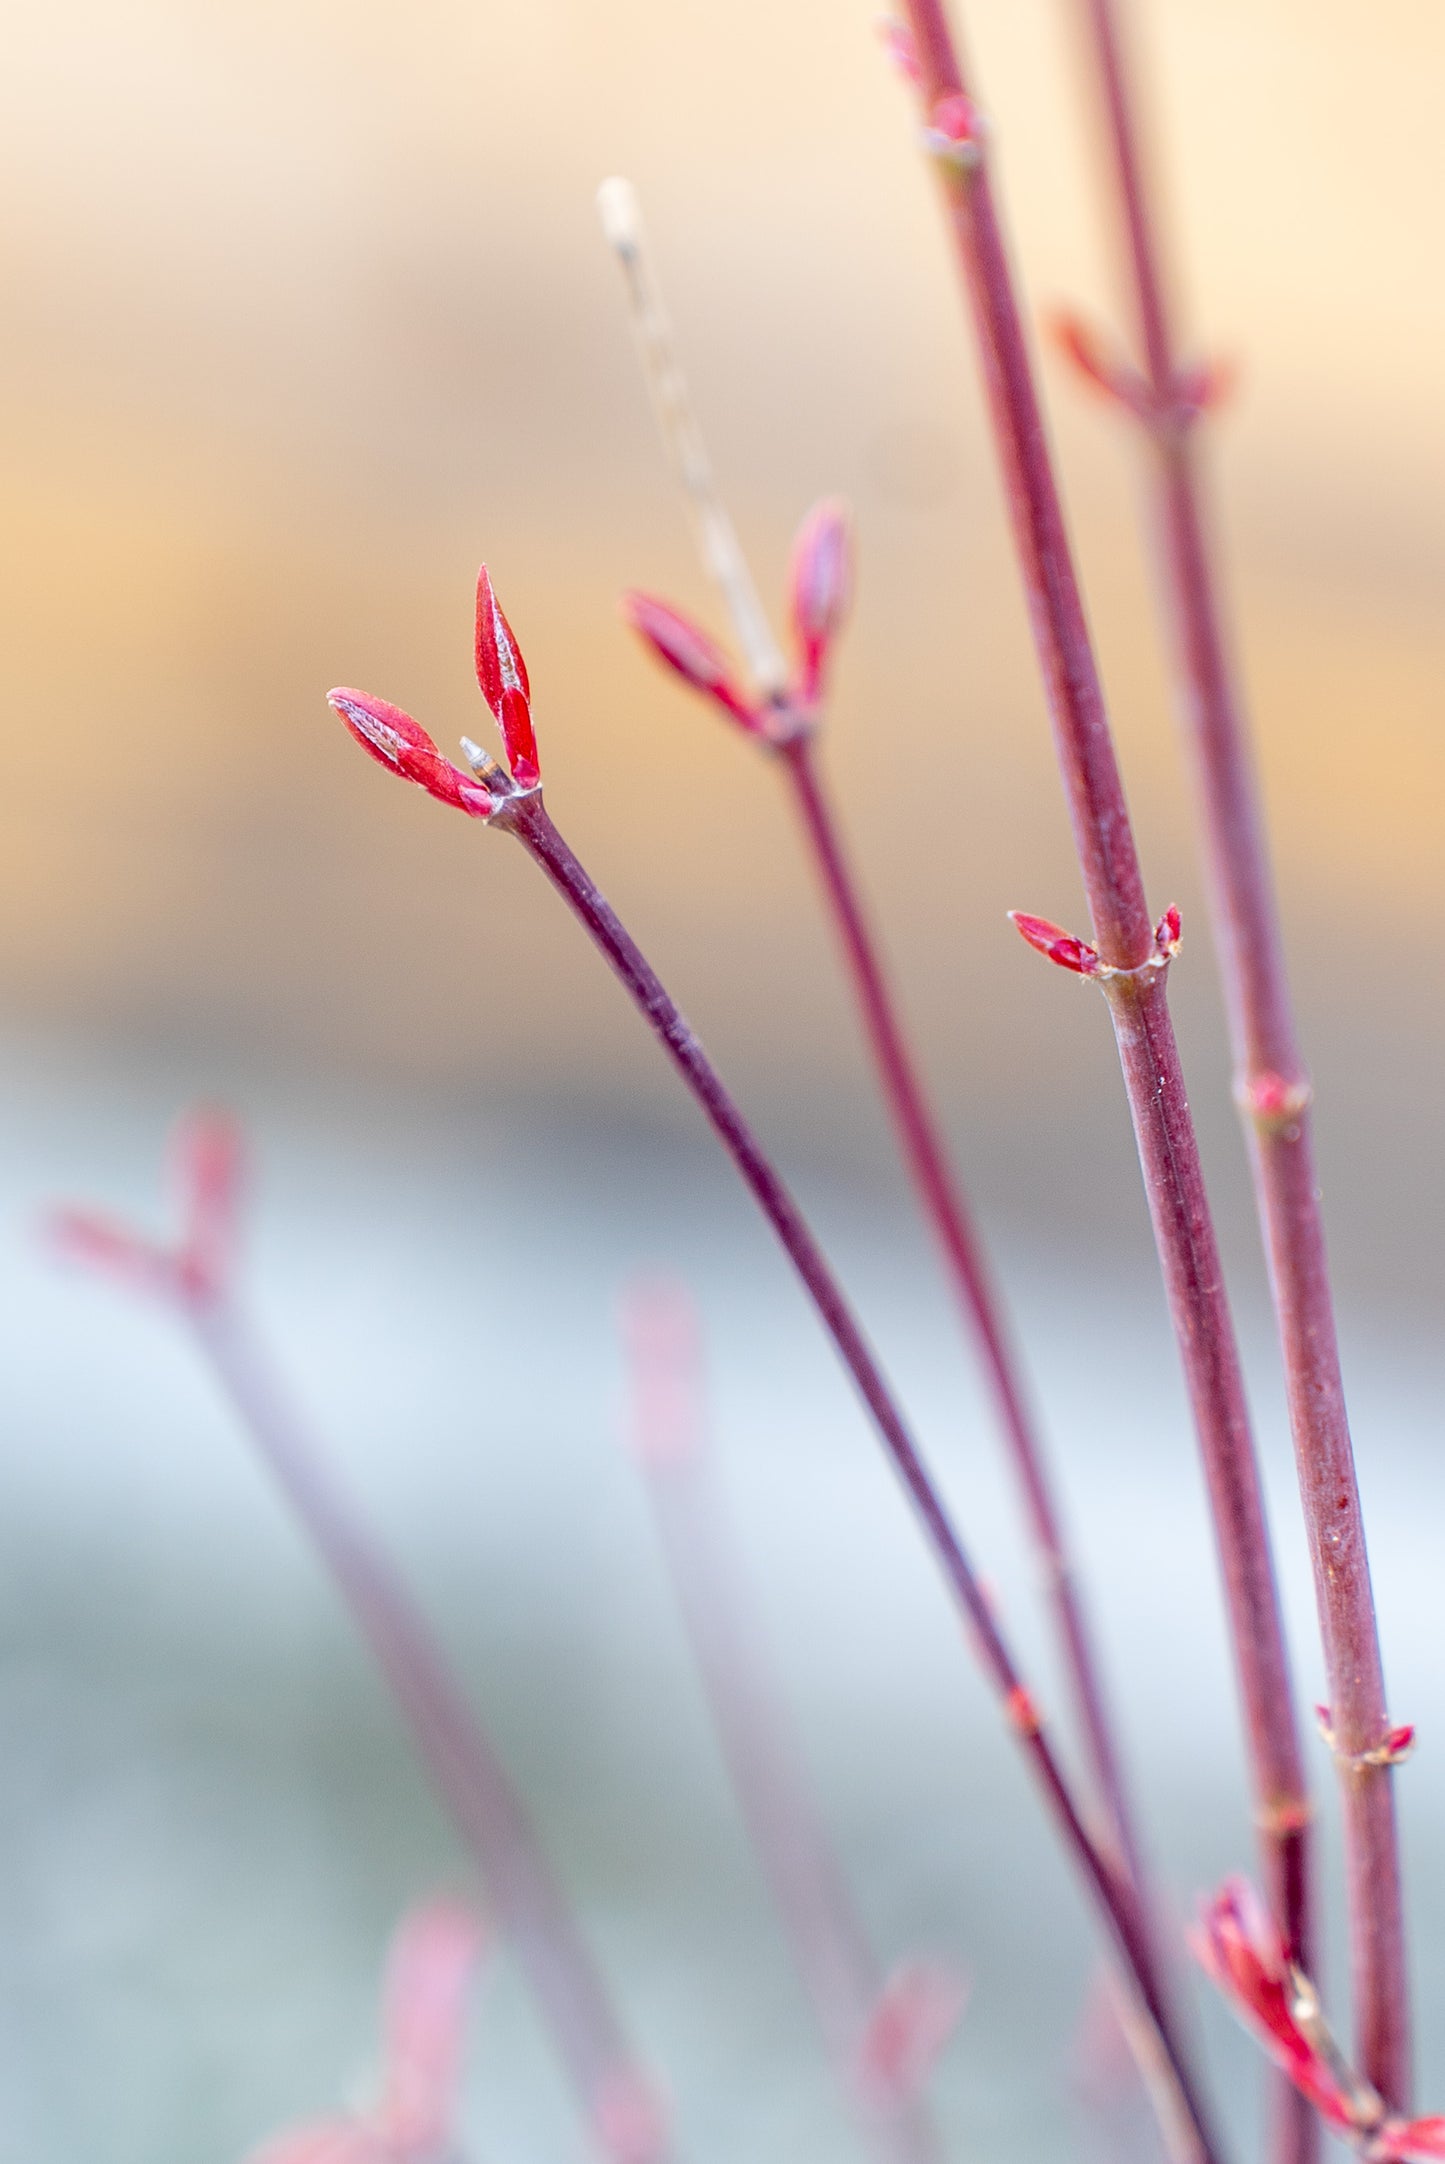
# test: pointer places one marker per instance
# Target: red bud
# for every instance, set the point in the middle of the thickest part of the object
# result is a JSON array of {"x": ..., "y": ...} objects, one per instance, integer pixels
[
  {"x": 428, "y": 1977},
  {"x": 915, "y": 2014},
  {"x": 1104, "y": 372},
  {"x": 955, "y": 130},
  {"x": 1055, "y": 943},
  {"x": 820, "y": 589},
  {"x": 401, "y": 744},
  {"x": 1239, "y": 1946},
  {"x": 1410, "y": 2138},
  {"x": 902, "y": 50},
  {"x": 1168, "y": 932},
  {"x": 209, "y": 1162},
  {"x": 502, "y": 674},
  {"x": 698, "y": 660},
  {"x": 102, "y": 1244}
]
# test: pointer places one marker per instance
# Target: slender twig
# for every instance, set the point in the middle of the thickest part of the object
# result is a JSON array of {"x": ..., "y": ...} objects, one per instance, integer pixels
[
  {"x": 1274, "y": 1096},
  {"x": 197, "y": 1280},
  {"x": 1132, "y": 966},
  {"x": 845, "y": 1985},
  {"x": 787, "y": 716},
  {"x": 514, "y": 804}
]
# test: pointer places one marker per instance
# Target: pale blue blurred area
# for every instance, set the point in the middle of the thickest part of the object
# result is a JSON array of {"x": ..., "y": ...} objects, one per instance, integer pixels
[{"x": 210, "y": 1819}]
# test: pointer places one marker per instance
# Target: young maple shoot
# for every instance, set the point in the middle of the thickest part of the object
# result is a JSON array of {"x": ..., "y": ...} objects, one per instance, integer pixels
[{"x": 519, "y": 809}]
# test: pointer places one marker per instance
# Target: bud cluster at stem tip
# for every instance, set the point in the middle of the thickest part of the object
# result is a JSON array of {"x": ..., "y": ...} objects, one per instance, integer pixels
[
  {"x": 1239, "y": 1947},
  {"x": 820, "y": 590},
  {"x": 398, "y": 742}
]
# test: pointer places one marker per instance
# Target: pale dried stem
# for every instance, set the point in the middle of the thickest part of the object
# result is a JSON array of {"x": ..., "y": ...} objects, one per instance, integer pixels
[
  {"x": 463, "y": 1764},
  {"x": 1124, "y": 934},
  {"x": 526, "y": 817},
  {"x": 1273, "y": 1092},
  {"x": 677, "y": 423}
]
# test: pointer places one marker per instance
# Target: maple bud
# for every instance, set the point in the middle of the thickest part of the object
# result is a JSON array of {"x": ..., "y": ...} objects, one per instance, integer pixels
[
  {"x": 401, "y": 744},
  {"x": 209, "y": 1163},
  {"x": 1168, "y": 933},
  {"x": 698, "y": 660},
  {"x": 1056, "y": 944},
  {"x": 913, "y": 2018},
  {"x": 955, "y": 131},
  {"x": 1084, "y": 349},
  {"x": 1240, "y": 1948},
  {"x": 428, "y": 1978},
  {"x": 820, "y": 589},
  {"x": 902, "y": 49},
  {"x": 88, "y": 1237},
  {"x": 502, "y": 674}
]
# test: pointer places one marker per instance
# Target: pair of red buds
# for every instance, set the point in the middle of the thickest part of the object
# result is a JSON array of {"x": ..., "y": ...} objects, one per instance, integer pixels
[
  {"x": 820, "y": 588},
  {"x": 401, "y": 744},
  {"x": 1240, "y": 1949},
  {"x": 1067, "y": 952},
  {"x": 208, "y": 1169},
  {"x": 429, "y": 1973},
  {"x": 1203, "y": 388}
]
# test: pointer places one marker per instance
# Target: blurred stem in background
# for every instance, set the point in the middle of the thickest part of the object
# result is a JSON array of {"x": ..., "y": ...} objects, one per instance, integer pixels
[
  {"x": 196, "y": 1277},
  {"x": 881, "y": 2034}
]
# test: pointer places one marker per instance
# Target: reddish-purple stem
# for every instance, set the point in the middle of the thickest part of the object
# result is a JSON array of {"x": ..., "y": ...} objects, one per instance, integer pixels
[
  {"x": 832, "y": 1954},
  {"x": 526, "y": 817},
  {"x": 1273, "y": 1091},
  {"x": 1124, "y": 935},
  {"x": 943, "y": 1203},
  {"x": 466, "y": 1770}
]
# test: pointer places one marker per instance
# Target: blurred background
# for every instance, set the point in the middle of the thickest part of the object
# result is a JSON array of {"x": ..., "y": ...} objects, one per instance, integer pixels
[{"x": 306, "y": 310}]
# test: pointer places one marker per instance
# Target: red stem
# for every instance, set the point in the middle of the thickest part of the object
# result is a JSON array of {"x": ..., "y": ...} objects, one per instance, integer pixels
[
  {"x": 527, "y": 818},
  {"x": 467, "y": 1772},
  {"x": 1123, "y": 931},
  {"x": 1273, "y": 1092},
  {"x": 924, "y": 1153}
]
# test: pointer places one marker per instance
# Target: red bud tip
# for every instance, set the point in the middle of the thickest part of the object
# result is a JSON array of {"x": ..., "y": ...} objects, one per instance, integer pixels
[
  {"x": 1056, "y": 944},
  {"x": 1102, "y": 371},
  {"x": 1167, "y": 932},
  {"x": 1400, "y": 1742},
  {"x": 1323, "y": 1722},
  {"x": 955, "y": 130},
  {"x": 820, "y": 589},
  {"x": 628, "y": 2120},
  {"x": 1240, "y": 1948},
  {"x": 502, "y": 674},
  {"x": 1023, "y": 1715},
  {"x": 916, "y": 2013},
  {"x": 1206, "y": 388},
  {"x": 208, "y": 1158},
  {"x": 101, "y": 1244},
  {"x": 401, "y": 744},
  {"x": 902, "y": 49},
  {"x": 698, "y": 660},
  {"x": 663, "y": 1336},
  {"x": 428, "y": 1978},
  {"x": 1399, "y": 2139}
]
